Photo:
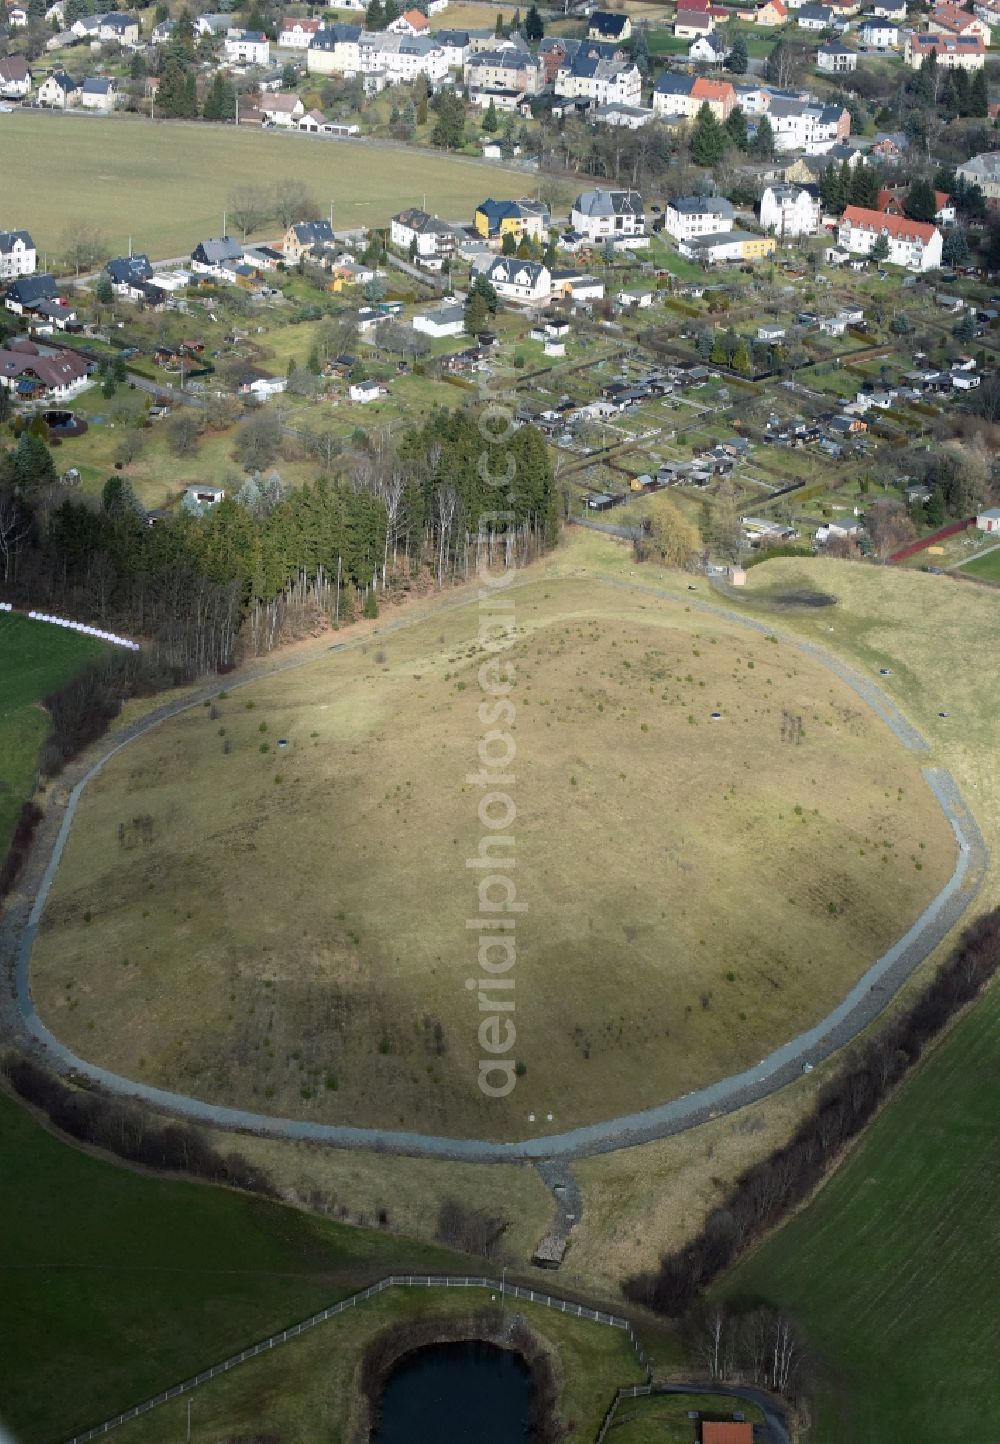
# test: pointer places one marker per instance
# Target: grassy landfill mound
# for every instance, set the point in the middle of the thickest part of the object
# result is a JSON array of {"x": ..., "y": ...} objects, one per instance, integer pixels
[{"x": 698, "y": 891}]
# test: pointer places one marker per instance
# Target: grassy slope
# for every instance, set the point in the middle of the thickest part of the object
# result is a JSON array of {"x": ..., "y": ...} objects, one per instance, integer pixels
[
  {"x": 886, "y": 1269},
  {"x": 610, "y": 694},
  {"x": 133, "y": 1282},
  {"x": 890, "y": 1270},
  {"x": 34, "y": 659},
  {"x": 166, "y": 184},
  {"x": 987, "y": 566},
  {"x": 302, "y": 1392}
]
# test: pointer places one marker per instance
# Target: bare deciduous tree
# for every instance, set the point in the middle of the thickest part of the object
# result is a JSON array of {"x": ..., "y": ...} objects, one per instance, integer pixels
[
  {"x": 248, "y": 207},
  {"x": 291, "y": 201},
  {"x": 15, "y": 524}
]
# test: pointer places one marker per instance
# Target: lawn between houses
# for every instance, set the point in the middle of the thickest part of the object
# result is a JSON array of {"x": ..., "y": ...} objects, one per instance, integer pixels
[
  {"x": 35, "y": 659},
  {"x": 637, "y": 813},
  {"x": 165, "y": 184}
]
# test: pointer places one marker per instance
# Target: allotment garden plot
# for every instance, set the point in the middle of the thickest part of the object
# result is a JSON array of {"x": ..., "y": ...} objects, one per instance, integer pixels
[{"x": 263, "y": 902}]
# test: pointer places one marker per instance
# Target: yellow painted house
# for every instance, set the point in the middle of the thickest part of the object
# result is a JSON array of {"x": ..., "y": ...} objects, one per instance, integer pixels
[
  {"x": 496, "y": 219},
  {"x": 757, "y": 248}
]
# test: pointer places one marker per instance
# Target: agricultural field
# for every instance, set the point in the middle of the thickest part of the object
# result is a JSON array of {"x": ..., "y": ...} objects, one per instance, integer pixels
[
  {"x": 293, "y": 799},
  {"x": 303, "y": 1391},
  {"x": 35, "y": 659},
  {"x": 143, "y": 1281},
  {"x": 165, "y": 184},
  {"x": 887, "y": 1270}
]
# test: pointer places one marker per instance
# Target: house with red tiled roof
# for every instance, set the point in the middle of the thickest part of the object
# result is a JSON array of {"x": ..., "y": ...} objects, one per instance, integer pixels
[
  {"x": 953, "y": 52},
  {"x": 411, "y": 22},
  {"x": 891, "y": 200},
  {"x": 950, "y": 19},
  {"x": 916, "y": 245},
  {"x": 684, "y": 95},
  {"x": 726, "y": 1432},
  {"x": 297, "y": 34}
]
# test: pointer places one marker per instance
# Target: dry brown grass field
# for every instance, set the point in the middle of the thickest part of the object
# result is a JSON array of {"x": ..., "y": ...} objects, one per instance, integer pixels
[
  {"x": 166, "y": 184},
  {"x": 285, "y": 928}
]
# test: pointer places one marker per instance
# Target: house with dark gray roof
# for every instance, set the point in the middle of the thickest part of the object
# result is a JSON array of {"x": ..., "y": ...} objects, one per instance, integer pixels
[
  {"x": 17, "y": 255},
  {"x": 129, "y": 274},
  {"x": 209, "y": 257},
  {"x": 610, "y": 215}
]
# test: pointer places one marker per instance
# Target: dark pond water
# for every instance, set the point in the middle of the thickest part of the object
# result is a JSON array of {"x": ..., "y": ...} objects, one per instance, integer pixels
[{"x": 467, "y": 1393}]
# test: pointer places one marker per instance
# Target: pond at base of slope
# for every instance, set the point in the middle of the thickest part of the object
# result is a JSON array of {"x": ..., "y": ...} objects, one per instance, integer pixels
[{"x": 465, "y": 1393}]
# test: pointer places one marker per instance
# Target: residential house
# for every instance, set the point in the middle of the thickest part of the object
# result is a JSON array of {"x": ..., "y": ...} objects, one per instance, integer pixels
[
  {"x": 836, "y": 58},
  {"x": 690, "y": 24},
  {"x": 17, "y": 17},
  {"x": 890, "y": 10},
  {"x": 766, "y": 12},
  {"x": 496, "y": 219},
  {"x": 27, "y": 292},
  {"x": 808, "y": 126},
  {"x": 298, "y": 34},
  {"x": 591, "y": 75},
  {"x": 688, "y": 216},
  {"x": 913, "y": 244},
  {"x": 303, "y": 236},
  {"x": 727, "y": 246},
  {"x": 441, "y": 321},
  {"x": 684, "y": 95},
  {"x": 210, "y": 257},
  {"x": 365, "y": 391},
  {"x": 788, "y": 210},
  {"x": 247, "y": 47},
  {"x": 952, "y": 52},
  {"x": 281, "y": 110},
  {"x": 411, "y": 22},
  {"x": 892, "y": 200},
  {"x": 948, "y": 18},
  {"x": 879, "y": 35},
  {"x": 427, "y": 236},
  {"x": 814, "y": 17},
  {"x": 335, "y": 51},
  {"x": 989, "y": 520},
  {"x": 40, "y": 373},
  {"x": 503, "y": 75},
  {"x": 99, "y": 92},
  {"x": 576, "y": 286},
  {"x": 527, "y": 282},
  {"x": 602, "y": 25},
  {"x": 59, "y": 91},
  {"x": 116, "y": 25},
  {"x": 455, "y": 44},
  {"x": 615, "y": 215},
  {"x": 710, "y": 49},
  {"x": 129, "y": 274},
  {"x": 17, "y": 255},
  {"x": 207, "y": 26},
  {"x": 161, "y": 33},
  {"x": 984, "y": 171},
  {"x": 628, "y": 117},
  {"x": 15, "y": 78},
  {"x": 386, "y": 59}
]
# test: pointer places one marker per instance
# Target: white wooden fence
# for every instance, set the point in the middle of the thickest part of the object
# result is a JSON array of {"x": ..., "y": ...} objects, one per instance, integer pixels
[{"x": 394, "y": 1281}]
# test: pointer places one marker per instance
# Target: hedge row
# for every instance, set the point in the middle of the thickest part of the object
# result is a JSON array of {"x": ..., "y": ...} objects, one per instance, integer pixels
[{"x": 766, "y": 1192}]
